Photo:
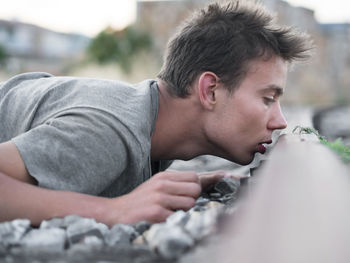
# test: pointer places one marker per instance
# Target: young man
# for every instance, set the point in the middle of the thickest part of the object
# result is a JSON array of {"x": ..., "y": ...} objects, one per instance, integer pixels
[{"x": 89, "y": 147}]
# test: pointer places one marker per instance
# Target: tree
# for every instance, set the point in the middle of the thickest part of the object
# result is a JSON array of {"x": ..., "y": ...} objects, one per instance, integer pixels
[{"x": 118, "y": 46}]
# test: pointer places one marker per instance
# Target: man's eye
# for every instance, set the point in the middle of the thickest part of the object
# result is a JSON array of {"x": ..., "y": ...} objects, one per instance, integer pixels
[{"x": 269, "y": 100}]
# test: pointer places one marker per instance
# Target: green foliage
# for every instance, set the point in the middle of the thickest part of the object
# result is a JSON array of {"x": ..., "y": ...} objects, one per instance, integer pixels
[
  {"x": 3, "y": 55},
  {"x": 118, "y": 46},
  {"x": 306, "y": 130},
  {"x": 338, "y": 146}
]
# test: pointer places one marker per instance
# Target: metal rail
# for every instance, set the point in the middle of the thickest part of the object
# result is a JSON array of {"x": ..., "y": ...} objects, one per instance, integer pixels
[{"x": 297, "y": 209}]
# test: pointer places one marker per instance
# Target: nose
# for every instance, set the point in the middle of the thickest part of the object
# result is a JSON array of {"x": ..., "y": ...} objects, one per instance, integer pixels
[{"x": 277, "y": 120}]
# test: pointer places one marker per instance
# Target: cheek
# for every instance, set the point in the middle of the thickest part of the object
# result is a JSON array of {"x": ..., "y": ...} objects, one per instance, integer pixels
[{"x": 251, "y": 119}]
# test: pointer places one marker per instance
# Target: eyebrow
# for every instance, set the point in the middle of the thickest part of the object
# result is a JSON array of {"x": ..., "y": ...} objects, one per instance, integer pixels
[{"x": 278, "y": 90}]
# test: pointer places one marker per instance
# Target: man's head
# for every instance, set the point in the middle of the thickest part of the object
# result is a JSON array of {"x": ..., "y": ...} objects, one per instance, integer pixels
[
  {"x": 223, "y": 40},
  {"x": 227, "y": 68}
]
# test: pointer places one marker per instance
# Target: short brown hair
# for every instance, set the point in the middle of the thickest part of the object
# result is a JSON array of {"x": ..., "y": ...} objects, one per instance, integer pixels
[{"x": 223, "y": 39}]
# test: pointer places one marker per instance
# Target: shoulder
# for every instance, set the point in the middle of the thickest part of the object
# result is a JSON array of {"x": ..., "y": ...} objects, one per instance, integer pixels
[
  {"x": 29, "y": 76},
  {"x": 18, "y": 79}
]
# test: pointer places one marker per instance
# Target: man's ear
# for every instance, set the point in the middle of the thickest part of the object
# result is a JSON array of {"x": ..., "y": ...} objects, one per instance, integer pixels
[{"x": 207, "y": 84}]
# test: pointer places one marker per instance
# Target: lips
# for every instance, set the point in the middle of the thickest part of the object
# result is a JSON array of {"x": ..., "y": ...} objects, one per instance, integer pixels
[{"x": 262, "y": 146}]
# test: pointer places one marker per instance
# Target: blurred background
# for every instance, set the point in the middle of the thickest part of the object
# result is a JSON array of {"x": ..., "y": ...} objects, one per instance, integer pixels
[{"x": 125, "y": 39}]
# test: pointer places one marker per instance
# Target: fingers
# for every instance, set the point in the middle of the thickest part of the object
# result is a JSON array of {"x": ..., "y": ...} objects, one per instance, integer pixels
[
  {"x": 166, "y": 206},
  {"x": 235, "y": 176},
  {"x": 209, "y": 179},
  {"x": 163, "y": 194},
  {"x": 191, "y": 189},
  {"x": 153, "y": 208},
  {"x": 154, "y": 214},
  {"x": 176, "y": 190},
  {"x": 174, "y": 202},
  {"x": 159, "y": 197},
  {"x": 177, "y": 183},
  {"x": 178, "y": 176}
]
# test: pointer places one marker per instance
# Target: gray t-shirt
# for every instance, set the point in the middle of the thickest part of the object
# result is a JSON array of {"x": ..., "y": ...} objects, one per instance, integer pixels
[{"x": 79, "y": 134}]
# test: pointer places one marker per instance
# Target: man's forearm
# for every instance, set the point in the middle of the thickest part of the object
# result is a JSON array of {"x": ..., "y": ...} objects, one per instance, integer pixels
[
  {"x": 22, "y": 200},
  {"x": 152, "y": 201}
]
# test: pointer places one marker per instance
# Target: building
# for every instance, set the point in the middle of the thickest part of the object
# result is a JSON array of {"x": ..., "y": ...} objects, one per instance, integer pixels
[
  {"x": 325, "y": 79},
  {"x": 33, "y": 48}
]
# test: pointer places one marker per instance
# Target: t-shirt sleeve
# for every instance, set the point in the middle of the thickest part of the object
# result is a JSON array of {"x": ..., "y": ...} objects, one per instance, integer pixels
[{"x": 77, "y": 152}]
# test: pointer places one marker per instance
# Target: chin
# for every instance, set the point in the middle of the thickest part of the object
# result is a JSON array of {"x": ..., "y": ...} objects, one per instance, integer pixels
[
  {"x": 245, "y": 162},
  {"x": 242, "y": 161}
]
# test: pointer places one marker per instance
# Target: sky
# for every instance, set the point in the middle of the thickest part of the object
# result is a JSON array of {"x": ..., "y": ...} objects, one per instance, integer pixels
[
  {"x": 81, "y": 16},
  {"x": 90, "y": 17},
  {"x": 327, "y": 11}
]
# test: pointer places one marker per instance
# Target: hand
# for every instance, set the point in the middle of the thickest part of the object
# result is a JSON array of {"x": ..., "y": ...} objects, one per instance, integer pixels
[
  {"x": 209, "y": 179},
  {"x": 157, "y": 198}
]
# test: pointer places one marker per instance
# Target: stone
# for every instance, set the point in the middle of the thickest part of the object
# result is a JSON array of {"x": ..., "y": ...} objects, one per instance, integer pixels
[
  {"x": 152, "y": 232},
  {"x": 202, "y": 224},
  {"x": 88, "y": 246},
  {"x": 198, "y": 208},
  {"x": 204, "y": 163},
  {"x": 228, "y": 198},
  {"x": 229, "y": 210},
  {"x": 214, "y": 204},
  {"x": 142, "y": 226},
  {"x": 2, "y": 250},
  {"x": 179, "y": 218},
  {"x": 215, "y": 195},
  {"x": 11, "y": 232},
  {"x": 85, "y": 239},
  {"x": 71, "y": 219},
  {"x": 169, "y": 241},
  {"x": 146, "y": 233},
  {"x": 83, "y": 227},
  {"x": 201, "y": 201},
  {"x": 227, "y": 185},
  {"x": 52, "y": 223},
  {"x": 140, "y": 240},
  {"x": 107, "y": 254},
  {"x": 52, "y": 239},
  {"x": 92, "y": 241},
  {"x": 121, "y": 234}
]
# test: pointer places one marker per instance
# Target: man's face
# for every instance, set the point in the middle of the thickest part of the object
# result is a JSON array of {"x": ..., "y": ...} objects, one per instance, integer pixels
[{"x": 243, "y": 121}]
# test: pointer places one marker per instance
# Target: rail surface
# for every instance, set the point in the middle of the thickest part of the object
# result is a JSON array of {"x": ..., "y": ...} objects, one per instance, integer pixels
[{"x": 295, "y": 209}]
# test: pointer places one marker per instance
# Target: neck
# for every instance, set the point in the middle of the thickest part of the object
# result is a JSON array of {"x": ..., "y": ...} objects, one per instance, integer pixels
[{"x": 177, "y": 133}]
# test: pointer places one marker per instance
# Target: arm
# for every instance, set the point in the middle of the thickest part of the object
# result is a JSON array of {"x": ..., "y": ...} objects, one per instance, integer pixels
[
  {"x": 23, "y": 200},
  {"x": 20, "y": 198},
  {"x": 152, "y": 201},
  {"x": 11, "y": 163}
]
